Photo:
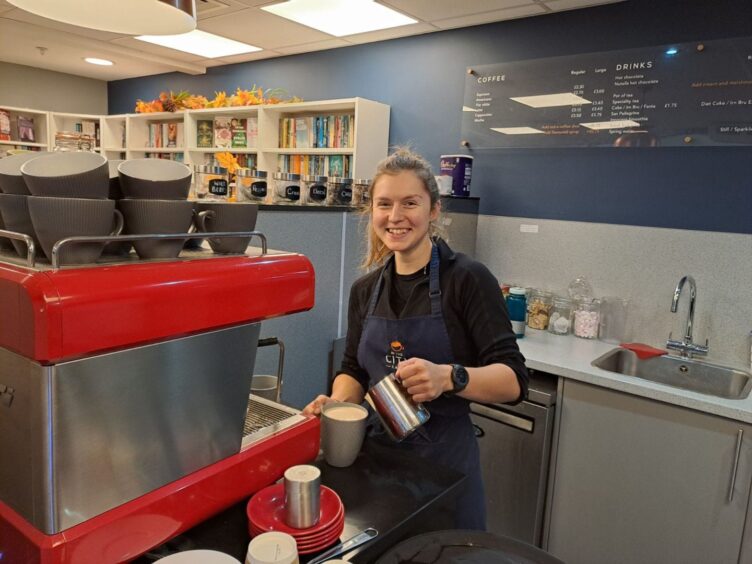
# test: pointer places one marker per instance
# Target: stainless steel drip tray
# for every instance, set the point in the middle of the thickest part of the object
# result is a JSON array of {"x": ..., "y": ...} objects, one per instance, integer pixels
[{"x": 265, "y": 418}]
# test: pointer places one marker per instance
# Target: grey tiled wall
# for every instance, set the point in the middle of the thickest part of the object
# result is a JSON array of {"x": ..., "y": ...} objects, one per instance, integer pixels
[{"x": 640, "y": 263}]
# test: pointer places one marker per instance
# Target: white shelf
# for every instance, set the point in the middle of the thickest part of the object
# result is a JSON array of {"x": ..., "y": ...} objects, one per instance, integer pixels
[{"x": 370, "y": 141}]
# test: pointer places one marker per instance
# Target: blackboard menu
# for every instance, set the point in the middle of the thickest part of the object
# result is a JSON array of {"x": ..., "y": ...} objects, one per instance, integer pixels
[{"x": 688, "y": 94}]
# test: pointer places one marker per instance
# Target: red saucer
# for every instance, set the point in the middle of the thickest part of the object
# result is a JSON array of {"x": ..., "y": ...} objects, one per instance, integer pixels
[
  {"x": 266, "y": 512},
  {"x": 307, "y": 537}
]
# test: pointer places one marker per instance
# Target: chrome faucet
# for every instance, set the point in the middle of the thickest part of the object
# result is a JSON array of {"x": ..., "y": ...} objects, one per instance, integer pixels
[{"x": 686, "y": 347}]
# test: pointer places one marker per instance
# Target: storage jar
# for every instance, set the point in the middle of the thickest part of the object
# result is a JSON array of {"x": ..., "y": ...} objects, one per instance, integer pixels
[
  {"x": 517, "y": 307},
  {"x": 361, "y": 195},
  {"x": 560, "y": 320},
  {"x": 539, "y": 309},
  {"x": 339, "y": 191},
  {"x": 286, "y": 188},
  {"x": 587, "y": 316},
  {"x": 313, "y": 190},
  {"x": 251, "y": 185},
  {"x": 211, "y": 182}
]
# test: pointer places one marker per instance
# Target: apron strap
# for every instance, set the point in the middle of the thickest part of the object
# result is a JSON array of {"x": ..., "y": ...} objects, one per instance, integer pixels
[{"x": 434, "y": 289}]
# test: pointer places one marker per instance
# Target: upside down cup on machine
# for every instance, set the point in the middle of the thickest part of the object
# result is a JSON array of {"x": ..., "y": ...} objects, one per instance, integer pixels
[
  {"x": 14, "y": 209},
  {"x": 226, "y": 216},
  {"x": 68, "y": 175},
  {"x": 11, "y": 179},
  {"x": 159, "y": 179},
  {"x": 148, "y": 216}
]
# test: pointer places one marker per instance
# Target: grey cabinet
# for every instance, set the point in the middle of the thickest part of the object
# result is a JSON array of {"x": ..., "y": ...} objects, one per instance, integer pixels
[{"x": 639, "y": 481}]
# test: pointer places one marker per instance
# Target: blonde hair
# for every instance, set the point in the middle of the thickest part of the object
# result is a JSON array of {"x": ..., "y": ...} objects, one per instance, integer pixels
[{"x": 403, "y": 159}]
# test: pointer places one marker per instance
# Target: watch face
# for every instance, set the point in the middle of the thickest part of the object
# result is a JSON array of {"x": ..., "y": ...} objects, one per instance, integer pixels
[{"x": 460, "y": 377}]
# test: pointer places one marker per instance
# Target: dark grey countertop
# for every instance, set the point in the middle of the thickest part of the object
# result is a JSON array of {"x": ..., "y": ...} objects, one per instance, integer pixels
[{"x": 398, "y": 494}]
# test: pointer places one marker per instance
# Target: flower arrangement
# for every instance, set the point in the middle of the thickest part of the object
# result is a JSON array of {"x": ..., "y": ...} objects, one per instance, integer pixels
[
  {"x": 230, "y": 162},
  {"x": 183, "y": 100}
]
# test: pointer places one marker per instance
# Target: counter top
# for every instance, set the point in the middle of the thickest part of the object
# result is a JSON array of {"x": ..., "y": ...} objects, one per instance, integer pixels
[
  {"x": 570, "y": 357},
  {"x": 397, "y": 493}
]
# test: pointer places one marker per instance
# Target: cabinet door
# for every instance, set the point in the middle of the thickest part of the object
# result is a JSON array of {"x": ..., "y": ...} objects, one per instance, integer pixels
[{"x": 639, "y": 481}]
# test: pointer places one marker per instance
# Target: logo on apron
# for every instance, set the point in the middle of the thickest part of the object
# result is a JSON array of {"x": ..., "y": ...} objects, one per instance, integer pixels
[{"x": 395, "y": 355}]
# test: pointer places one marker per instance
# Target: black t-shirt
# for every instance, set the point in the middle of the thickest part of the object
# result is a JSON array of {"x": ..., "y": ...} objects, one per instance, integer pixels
[{"x": 474, "y": 312}]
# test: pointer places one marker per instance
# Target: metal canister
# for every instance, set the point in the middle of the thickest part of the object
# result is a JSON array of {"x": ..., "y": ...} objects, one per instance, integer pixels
[{"x": 399, "y": 414}]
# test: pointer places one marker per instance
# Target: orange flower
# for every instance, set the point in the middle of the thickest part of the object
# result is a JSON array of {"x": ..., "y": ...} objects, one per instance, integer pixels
[{"x": 228, "y": 161}]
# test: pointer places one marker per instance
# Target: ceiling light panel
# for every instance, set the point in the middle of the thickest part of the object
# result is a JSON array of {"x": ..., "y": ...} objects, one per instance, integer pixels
[
  {"x": 100, "y": 62},
  {"x": 201, "y": 43},
  {"x": 340, "y": 17}
]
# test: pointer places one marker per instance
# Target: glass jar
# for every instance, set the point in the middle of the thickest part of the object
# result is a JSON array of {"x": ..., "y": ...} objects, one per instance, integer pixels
[
  {"x": 539, "y": 309},
  {"x": 614, "y": 315},
  {"x": 361, "y": 196},
  {"x": 211, "y": 182},
  {"x": 313, "y": 190},
  {"x": 286, "y": 188},
  {"x": 251, "y": 185},
  {"x": 587, "y": 317},
  {"x": 517, "y": 307},
  {"x": 339, "y": 191},
  {"x": 560, "y": 320}
]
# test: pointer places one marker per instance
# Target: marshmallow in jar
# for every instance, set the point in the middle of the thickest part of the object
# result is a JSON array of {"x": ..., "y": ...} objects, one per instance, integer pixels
[{"x": 587, "y": 317}]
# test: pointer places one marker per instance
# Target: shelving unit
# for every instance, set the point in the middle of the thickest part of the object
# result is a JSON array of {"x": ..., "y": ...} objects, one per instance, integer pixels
[
  {"x": 127, "y": 135},
  {"x": 76, "y": 123},
  {"x": 40, "y": 129}
]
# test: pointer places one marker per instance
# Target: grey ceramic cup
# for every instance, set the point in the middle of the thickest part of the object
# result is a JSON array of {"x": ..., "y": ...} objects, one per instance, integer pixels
[
  {"x": 343, "y": 427},
  {"x": 11, "y": 179},
  {"x": 115, "y": 193},
  {"x": 58, "y": 218},
  {"x": 68, "y": 175},
  {"x": 157, "y": 217},
  {"x": 5, "y": 244},
  {"x": 154, "y": 178},
  {"x": 226, "y": 216},
  {"x": 15, "y": 211}
]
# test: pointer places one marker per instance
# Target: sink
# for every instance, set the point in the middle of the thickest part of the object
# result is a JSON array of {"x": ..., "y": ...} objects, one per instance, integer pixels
[{"x": 687, "y": 374}]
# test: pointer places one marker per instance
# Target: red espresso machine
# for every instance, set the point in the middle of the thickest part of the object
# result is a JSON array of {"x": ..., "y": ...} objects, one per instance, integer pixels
[{"x": 124, "y": 399}]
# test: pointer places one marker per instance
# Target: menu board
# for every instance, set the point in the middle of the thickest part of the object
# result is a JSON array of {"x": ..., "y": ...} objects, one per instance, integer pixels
[{"x": 688, "y": 94}]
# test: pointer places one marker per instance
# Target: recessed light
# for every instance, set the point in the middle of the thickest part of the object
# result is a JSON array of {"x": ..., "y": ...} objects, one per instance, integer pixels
[
  {"x": 551, "y": 100},
  {"x": 95, "y": 61},
  {"x": 340, "y": 17},
  {"x": 201, "y": 43}
]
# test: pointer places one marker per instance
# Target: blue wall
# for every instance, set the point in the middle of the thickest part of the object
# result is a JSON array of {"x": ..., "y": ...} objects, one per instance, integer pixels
[{"x": 422, "y": 79}]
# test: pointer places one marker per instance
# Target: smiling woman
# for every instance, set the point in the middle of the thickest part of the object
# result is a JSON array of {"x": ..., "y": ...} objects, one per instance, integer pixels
[{"x": 434, "y": 318}]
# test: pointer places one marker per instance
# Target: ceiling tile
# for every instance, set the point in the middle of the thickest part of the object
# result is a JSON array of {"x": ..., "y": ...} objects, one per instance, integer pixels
[
  {"x": 28, "y": 17},
  {"x": 559, "y": 5},
  {"x": 262, "y": 29},
  {"x": 207, "y": 9},
  {"x": 257, "y": 56},
  {"x": 488, "y": 17},
  {"x": 432, "y": 10},
  {"x": 315, "y": 46},
  {"x": 255, "y": 3},
  {"x": 391, "y": 33},
  {"x": 133, "y": 43}
]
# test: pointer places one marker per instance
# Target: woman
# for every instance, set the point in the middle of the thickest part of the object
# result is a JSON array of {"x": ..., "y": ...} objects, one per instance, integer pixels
[{"x": 435, "y": 317}]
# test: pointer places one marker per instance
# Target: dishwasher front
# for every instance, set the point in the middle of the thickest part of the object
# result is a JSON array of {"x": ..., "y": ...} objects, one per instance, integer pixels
[{"x": 515, "y": 448}]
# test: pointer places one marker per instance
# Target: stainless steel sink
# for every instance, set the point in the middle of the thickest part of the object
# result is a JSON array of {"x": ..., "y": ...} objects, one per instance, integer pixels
[{"x": 688, "y": 374}]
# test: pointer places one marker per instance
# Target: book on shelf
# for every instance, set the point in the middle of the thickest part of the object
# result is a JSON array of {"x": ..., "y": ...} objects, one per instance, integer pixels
[
  {"x": 222, "y": 132},
  {"x": 319, "y": 165},
  {"x": 238, "y": 127},
  {"x": 204, "y": 133},
  {"x": 167, "y": 156},
  {"x": 4, "y": 125},
  {"x": 172, "y": 134},
  {"x": 90, "y": 128},
  {"x": 302, "y": 139},
  {"x": 335, "y": 165},
  {"x": 252, "y": 132},
  {"x": 26, "y": 129}
]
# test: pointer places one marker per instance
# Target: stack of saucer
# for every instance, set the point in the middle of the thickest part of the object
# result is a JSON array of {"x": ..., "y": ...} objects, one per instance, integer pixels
[{"x": 266, "y": 512}]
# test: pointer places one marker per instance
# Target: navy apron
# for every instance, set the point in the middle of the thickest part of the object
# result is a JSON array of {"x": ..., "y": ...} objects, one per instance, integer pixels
[{"x": 448, "y": 437}]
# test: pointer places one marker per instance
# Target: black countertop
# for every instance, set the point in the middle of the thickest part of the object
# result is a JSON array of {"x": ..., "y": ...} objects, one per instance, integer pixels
[{"x": 398, "y": 494}]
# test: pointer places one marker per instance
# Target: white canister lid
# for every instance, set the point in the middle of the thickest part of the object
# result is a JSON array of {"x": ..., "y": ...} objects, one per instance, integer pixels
[{"x": 517, "y": 291}]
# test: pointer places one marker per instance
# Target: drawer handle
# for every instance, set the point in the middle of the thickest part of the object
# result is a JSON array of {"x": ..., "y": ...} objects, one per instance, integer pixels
[{"x": 739, "y": 436}]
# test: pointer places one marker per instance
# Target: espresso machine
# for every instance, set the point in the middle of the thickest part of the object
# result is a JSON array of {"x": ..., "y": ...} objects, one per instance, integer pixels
[{"x": 124, "y": 398}]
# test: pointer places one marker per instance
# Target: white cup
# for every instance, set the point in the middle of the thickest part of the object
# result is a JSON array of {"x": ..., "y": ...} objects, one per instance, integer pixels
[
  {"x": 199, "y": 557},
  {"x": 272, "y": 548}
]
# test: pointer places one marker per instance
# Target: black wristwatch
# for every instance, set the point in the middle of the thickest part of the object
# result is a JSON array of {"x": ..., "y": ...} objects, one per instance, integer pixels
[{"x": 460, "y": 378}]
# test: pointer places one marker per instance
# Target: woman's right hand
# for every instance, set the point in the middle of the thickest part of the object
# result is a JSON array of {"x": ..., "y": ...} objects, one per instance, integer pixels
[{"x": 314, "y": 408}]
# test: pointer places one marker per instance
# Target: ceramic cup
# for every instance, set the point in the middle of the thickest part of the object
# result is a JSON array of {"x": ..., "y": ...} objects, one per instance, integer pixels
[
  {"x": 157, "y": 217},
  {"x": 58, "y": 218},
  {"x": 5, "y": 244},
  {"x": 11, "y": 179},
  {"x": 272, "y": 548},
  {"x": 343, "y": 427},
  {"x": 15, "y": 212},
  {"x": 154, "y": 178},
  {"x": 68, "y": 175},
  {"x": 199, "y": 557},
  {"x": 226, "y": 216}
]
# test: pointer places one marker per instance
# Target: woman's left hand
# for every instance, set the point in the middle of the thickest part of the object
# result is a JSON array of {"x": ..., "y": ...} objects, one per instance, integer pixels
[{"x": 423, "y": 380}]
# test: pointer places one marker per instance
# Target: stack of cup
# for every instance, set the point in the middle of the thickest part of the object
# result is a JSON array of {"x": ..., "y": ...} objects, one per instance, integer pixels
[
  {"x": 302, "y": 496},
  {"x": 272, "y": 548}
]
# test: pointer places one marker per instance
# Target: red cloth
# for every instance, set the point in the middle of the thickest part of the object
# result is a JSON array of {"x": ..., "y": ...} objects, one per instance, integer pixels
[{"x": 643, "y": 351}]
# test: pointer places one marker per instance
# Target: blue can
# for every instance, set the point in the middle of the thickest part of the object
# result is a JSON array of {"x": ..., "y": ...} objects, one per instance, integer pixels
[
  {"x": 460, "y": 168},
  {"x": 517, "y": 307}
]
